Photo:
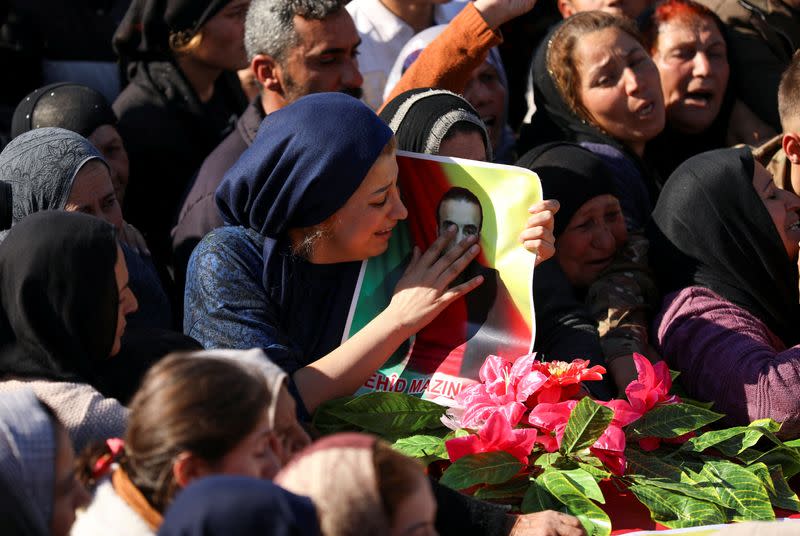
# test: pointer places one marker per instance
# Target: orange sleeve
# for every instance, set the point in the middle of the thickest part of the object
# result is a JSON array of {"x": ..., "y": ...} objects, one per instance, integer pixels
[{"x": 449, "y": 60}]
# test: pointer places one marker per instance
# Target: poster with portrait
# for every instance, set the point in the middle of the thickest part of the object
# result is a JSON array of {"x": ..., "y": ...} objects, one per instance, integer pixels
[{"x": 489, "y": 200}]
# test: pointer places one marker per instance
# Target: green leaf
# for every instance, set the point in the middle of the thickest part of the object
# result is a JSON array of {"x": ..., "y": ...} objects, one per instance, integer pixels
[
  {"x": 676, "y": 510},
  {"x": 733, "y": 441},
  {"x": 672, "y": 420},
  {"x": 597, "y": 472},
  {"x": 767, "y": 424},
  {"x": 513, "y": 489},
  {"x": 537, "y": 499},
  {"x": 654, "y": 466},
  {"x": 392, "y": 415},
  {"x": 422, "y": 446},
  {"x": 738, "y": 489},
  {"x": 694, "y": 489},
  {"x": 549, "y": 459},
  {"x": 780, "y": 494},
  {"x": 483, "y": 468},
  {"x": 586, "y": 423},
  {"x": 787, "y": 458},
  {"x": 594, "y": 520},
  {"x": 673, "y": 374},
  {"x": 328, "y": 423},
  {"x": 586, "y": 483}
]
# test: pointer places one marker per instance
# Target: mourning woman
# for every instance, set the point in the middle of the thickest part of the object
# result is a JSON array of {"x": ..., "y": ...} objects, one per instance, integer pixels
[
  {"x": 593, "y": 297},
  {"x": 38, "y": 487},
  {"x": 182, "y": 99},
  {"x": 725, "y": 245},
  {"x": 304, "y": 205},
  {"x": 595, "y": 84},
  {"x": 64, "y": 296},
  {"x": 56, "y": 169},
  {"x": 689, "y": 46}
]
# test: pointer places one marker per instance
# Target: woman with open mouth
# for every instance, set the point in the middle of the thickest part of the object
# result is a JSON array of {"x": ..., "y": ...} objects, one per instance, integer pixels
[
  {"x": 724, "y": 241},
  {"x": 688, "y": 44},
  {"x": 595, "y": 84}
]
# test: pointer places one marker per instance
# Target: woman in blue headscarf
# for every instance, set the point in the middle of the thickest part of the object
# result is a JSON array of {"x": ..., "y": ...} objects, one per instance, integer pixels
[{"x": 314, "y": 196}]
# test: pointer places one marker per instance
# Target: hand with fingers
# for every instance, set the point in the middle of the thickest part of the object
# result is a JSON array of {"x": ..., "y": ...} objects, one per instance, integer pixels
[
  {"x": 424, "y": 290},
  {"x": 498, "y": 12},
  {"x": 547, "y": 523},
  {"x": 538, "y": 234}
]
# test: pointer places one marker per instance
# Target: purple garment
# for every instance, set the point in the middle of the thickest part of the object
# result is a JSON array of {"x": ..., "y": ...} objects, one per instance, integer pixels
[{"x": 727, "y": 355}]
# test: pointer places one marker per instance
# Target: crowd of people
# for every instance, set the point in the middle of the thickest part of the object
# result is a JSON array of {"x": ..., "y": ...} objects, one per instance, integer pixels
[{"x": 189, "y": 188}]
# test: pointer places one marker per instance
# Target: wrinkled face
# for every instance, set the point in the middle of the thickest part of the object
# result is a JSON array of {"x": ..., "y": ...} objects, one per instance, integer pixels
[
  {"x": 127, "y": 301},
  {"x": 326, "y": 58},
  {"x": 621, "y": 8},
  {"x": 692, "y": 59},
  {"x": 619, "y": 87},
  {"x": 222, "y": 46},
  {"x": 416, "y": 515},
  {"x": 469, "y": 145},
  {"x": 292, "y": 438},
  {"x": 486, "y": 93},
  {"x": 591, "y": 240},
  {"x": 69, "y": 493},
  {"x": 254, "y": 455},
  {"x": 362, "y": 227},
  {"x": 109, "y": 142},
  {"x": 92, "y": 193},
  {"x": 783, "y": 207},
  {"x": 466, "y": 216}
]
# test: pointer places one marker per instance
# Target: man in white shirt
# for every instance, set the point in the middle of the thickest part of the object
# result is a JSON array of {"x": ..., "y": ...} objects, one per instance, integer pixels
[{"x": 385, "y": 26}]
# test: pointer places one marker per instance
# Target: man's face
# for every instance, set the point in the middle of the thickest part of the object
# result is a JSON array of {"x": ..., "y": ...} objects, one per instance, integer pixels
[
  {"x": 325, "y": 58},
  {"x": 465, "y": 215}
]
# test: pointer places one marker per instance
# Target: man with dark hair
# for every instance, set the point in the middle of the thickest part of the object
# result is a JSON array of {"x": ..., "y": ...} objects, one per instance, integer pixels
[
  {"x": 295, "y": 47},
  {"x": 461, "y": 208}
]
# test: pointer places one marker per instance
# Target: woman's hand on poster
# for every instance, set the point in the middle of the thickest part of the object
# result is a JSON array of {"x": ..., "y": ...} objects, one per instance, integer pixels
[
  {"x": 424, "y": 290},
  {"x": 538, "y": 234},
  {"x": 547, "y": 523}
]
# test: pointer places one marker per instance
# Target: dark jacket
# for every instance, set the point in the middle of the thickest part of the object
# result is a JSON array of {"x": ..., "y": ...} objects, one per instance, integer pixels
[
  {"x": 168, "y": 133},
  {"x": 199, "y": 215},
  {"x": 763, "y": 36}
]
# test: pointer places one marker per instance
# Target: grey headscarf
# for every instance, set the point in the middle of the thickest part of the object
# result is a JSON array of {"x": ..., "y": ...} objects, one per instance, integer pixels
[
  {"x": 257, "y": 360},
  {"x": 27, "y": 455},
  {"x": 41, "y": 165}
]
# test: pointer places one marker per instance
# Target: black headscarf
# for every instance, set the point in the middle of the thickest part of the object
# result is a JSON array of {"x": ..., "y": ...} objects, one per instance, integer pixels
[
  {"x": 570, "y": 174},
  {"x": 222, "y": 505},
  {"x": 421, "y": 119},
  {"x": 64, "y": 105},
  {"x": 58, "y": 297},
  {"x": 711, "y": 229},
  {"x": 565, "y": 328},
  {"x": 144, "y": 32},
  {"x": 41, "y": 166}
]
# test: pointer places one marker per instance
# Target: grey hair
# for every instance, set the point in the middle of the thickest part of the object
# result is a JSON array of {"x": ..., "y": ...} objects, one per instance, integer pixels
[{"x": 269, "y": 27}]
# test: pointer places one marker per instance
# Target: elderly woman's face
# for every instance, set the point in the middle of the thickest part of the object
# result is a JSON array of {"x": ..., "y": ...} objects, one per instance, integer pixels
[
  {"x": 486, "y": 93},
  {"x": 591, "y": 239},
  {"x": 619, "y": 87},
  {"x": 108, "y": 141},
  {"x": 783, "y": 207},
  {"x": 222, "y": 46},
  {"x": 691, "y": 56},
  {"x": 93, "y": 193}
]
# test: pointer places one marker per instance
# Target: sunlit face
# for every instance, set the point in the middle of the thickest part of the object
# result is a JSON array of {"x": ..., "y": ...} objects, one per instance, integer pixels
[
  {"x": 326, "y": 58},
  {"x": 692, "y": 59},
  {"x": 486, "y": 93},
  {"x": 619, "y": 87},
  {"x": 292, "y": 438},
  {"x": 127, "y": 301},
  {"x": 255, "y": 455},
  {"x": 783, "y": 207},
  {"x": 416, "y": 515},
  {"x": 93, "y": 193},
  {"x": 362, "y": 227},
  {"x": 68, "y": 492},
  {"x": 464, "y": 215},
  {"x": 109, "y": 143},
  {"x": 591, "y": 240},
  {"x": 222, "y": 46},
  {"x": 621, "y": 8},
  {"x": 469, "y": 145}
]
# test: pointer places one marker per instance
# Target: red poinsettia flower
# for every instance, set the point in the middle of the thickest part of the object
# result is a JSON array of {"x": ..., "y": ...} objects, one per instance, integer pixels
[
  {"x": 652, "y": 386},
  {"x": 564, "y": 379},
  {"x": 552, "y": 420},
  {"x": 610, "y": 449},
  {"x": 496, "y": 435},
  {"x": 505, "y": 387}
]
